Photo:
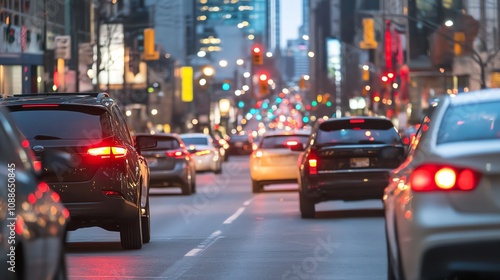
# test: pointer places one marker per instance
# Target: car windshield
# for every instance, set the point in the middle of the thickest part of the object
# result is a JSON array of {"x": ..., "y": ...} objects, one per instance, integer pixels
[
  {"x": 74, "y": 123},
  {"x": 357, "y": 131},
  {"x": 195, "y": 140},
  {"x": 461, "y": 123},
  {"x": 282, "y": 141}
]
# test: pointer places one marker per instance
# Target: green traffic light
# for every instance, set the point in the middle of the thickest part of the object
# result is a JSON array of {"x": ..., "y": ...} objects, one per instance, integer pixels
[
  {"x": 314, "y": 103},
  {"x": 151, "y": 89},
  {"x": 328, "y": 103},
  {"x": 226, "y": 86}
]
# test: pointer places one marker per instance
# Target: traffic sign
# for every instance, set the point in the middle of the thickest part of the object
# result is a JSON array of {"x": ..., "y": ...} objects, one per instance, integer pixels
[{"x": 63, "y": 46}]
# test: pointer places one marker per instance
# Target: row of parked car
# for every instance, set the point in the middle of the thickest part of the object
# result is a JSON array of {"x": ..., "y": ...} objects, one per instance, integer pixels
[{"x": 441, "y": 192}]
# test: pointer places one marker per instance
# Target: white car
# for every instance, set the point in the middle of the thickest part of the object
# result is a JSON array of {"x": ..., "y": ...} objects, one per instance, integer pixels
[
  {"x": 203, "y": 151},
  {"x": 442, "y": 205},
  {"x": 273, "y": 160}
]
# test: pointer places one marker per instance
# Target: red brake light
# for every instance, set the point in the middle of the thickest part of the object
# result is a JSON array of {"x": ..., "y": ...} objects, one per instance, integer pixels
[
  {"x": 312, "y": 160},
  {"x": 430, "y": 177},
  {"x": 108, "y": 152},
  {"x": 175, "y": 154},
  {"x": 356, "y": 120}
]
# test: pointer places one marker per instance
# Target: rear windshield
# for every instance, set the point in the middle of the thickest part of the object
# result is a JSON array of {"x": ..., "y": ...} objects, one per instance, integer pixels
[
  {"x": 480, "y": 121},
  {"x": 59, "y": 123},
  {"x": 282, "y": 141},
  {"x": 357, "y": 131},
  {"x": 165, "y": 144},
  {"x": 195, "y": 141}
]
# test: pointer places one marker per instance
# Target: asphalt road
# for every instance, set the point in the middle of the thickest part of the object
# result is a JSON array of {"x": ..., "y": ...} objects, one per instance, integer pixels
[{"x": 226, "y": 232}]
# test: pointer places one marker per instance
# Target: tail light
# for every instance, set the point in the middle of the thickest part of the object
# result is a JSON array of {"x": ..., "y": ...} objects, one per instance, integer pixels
[
  {"x": 108, "y": 152},
  {"x": 312, "y": 162},
  {"x": 175, "y": 154},
  {"x": 202, "y": 152},
  {"x": 432, "y": 177},
  {"x": 292, "y": 143}
]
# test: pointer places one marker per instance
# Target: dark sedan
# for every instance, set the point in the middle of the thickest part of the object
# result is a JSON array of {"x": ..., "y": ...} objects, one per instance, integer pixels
[
  {"x": 169, "y": 162},
  {"x": 348, "y": 159}
]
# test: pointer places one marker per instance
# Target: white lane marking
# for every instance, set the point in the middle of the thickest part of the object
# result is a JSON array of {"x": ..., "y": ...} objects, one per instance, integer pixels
[
  {"x": 193, "y": 252},
  {"x": 234, "y": 216},
  {"x": 246, "y": 203},
  {"x": 204, "y": 244}
]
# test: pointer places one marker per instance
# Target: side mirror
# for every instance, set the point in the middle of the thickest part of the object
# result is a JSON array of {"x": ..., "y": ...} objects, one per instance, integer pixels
[
  {"x": 145, "y": 142},
  {"x": 297, "y": 147}
]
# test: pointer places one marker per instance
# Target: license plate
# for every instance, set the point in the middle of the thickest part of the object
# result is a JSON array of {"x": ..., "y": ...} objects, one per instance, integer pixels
[
  {"x": 238, "y": 144},
  {"x": 152, "y": 161},
  {"x": 360, "y": 162}
]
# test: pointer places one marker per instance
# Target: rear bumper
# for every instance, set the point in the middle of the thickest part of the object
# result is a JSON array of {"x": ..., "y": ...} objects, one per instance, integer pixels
[
  {"x": 345, "y": 185},
  {"x": 273, "y": 173},
  {"x": 205, "y": 162},
  {"x": 462, "y": 257},
  {"x": 169, "y": 178},
  {"x": 108, "y": 213}
]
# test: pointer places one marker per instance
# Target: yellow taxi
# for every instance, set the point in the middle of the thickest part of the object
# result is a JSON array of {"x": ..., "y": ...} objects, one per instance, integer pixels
[{"x": 273, "y": 161}]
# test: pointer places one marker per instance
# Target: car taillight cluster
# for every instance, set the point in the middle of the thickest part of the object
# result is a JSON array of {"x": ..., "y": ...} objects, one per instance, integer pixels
[
  {"x": 175, "y": 154},
  {"x": 108, "y": 152},
  {"x": 312, "y": 162},
  {"x": 435, "y": 177}
]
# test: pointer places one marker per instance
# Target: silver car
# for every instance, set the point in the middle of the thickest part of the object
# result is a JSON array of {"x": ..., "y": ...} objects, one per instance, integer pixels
[
  {"x": 442, "y": 205},
  {"x": 205, "y": 154}
]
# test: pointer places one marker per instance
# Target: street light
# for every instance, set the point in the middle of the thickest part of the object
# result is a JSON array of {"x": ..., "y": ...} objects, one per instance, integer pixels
[
  {"x": 208, "y": 71},
  {"x": 449, "y": 23}
]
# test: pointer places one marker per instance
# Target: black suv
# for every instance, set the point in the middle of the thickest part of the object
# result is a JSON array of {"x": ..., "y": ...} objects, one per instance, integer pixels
[
  {"x": 107, "y": 184},
  {"x": 347, "y": 159}
]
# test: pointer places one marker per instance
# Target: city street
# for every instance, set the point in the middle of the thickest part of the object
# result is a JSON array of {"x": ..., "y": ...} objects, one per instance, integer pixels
[{"x": 226, "y": 232}]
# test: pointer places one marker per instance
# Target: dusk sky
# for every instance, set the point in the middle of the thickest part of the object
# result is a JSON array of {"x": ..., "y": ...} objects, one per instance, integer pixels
[{"x": 291, "y": 19}]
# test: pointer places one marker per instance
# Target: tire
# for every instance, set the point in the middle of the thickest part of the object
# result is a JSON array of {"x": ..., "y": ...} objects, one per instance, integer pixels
[
  {"x": 193, "y": 183},
  {"x": 146, "y": 225},
  {"x": 256, "y": 187},
  {"x": 131, "y": 232},
  {"x": 307, "y": 207},
  {"x": 186, "y": 188},
  {"x": 219, "y": 168}
]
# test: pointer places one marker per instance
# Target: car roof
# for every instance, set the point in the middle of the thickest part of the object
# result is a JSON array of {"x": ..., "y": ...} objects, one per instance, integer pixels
[
  {"x": 483, "y": 95},
  {"x": 89, "y": 99},
  {"x": 190, "y": 135},
  {"x": 286, "y": 133}
]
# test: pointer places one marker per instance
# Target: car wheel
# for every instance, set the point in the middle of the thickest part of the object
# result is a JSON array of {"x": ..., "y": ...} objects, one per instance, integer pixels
[
  {"x": 61, "y": 272},
  {"x": 186, "y": 188},
  {"x": 219, "y": 168},
  {"x": 256, "y": 187},
  {"x": 307, "y": 207},
  {"x": 131, "y": 232},
  {"x": 146, "y": 225},
  {"x": 193, "y": 183}
]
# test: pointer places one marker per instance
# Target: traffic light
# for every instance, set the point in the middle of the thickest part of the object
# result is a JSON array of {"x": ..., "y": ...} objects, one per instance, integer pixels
[
  {"x": 257, "y": 56},
  {"x": 459, "y": 40},
  {"x": 140, "y": 43},
  {"x": 149, "y": 40},
  {"x": 149, "y": 52},
  {"x": 263, "y": 84},
  {"x": 226, "y": 85}
]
